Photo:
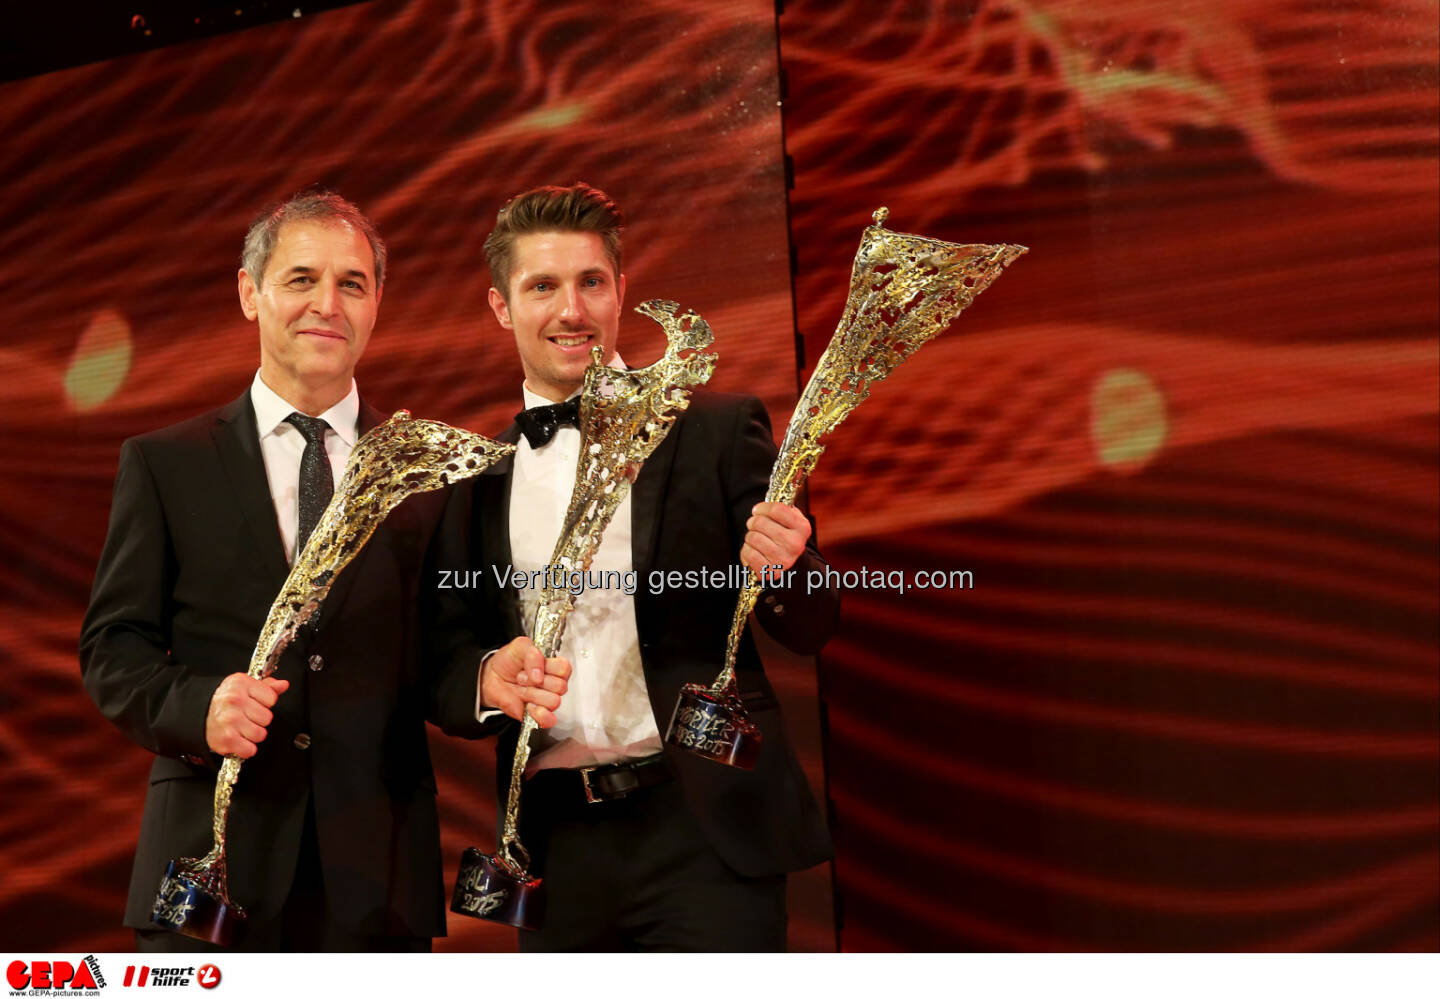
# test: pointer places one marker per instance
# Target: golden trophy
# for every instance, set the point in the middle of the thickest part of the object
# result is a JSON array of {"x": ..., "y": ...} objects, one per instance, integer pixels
[
  {"x": 904, "y": 291},
  {"x": 624, "y": 415},
  {"x": 397, "y": 459}
]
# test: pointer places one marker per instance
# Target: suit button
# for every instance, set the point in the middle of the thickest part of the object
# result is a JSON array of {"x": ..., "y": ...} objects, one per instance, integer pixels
[
  {"x": 302, "y": 741},
  {"x": 770, "y": 599},
  {"x": 779, "y": 610},
  {"x": 317, "y": 663}
]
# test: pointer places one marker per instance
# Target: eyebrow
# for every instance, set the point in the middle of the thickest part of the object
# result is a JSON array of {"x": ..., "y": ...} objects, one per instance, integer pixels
[
  {"x": 299, "y": 269},
  {"x": 550, "y": 276}
]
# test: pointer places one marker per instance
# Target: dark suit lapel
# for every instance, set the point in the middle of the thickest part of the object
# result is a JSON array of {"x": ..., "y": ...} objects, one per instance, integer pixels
[
  {"x": 370, "y": 418},
  {"x": 645, "y": 499},
  {"x": 493, "y": 529},
  {"x": 237, "y": 439}
]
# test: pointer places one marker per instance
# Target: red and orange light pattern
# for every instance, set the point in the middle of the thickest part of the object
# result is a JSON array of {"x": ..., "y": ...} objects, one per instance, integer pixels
[{"x": 1187, "y": 448}]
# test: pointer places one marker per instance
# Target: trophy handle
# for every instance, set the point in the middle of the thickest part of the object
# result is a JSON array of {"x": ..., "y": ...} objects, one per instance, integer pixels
[
  {"x": 713, "y": 723},
  {"x": 499, "y": 886},
  {"x": 194, "y": 895},
  {"x": 725, "y": 683},
  {"x": 547, "y": 632},
  {"x": 510, "y": 844},
  {"x": 224, "y": 786}
]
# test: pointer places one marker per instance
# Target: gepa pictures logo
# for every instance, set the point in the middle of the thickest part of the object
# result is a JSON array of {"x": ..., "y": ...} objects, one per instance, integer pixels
[{"x": 55, "y": 976}]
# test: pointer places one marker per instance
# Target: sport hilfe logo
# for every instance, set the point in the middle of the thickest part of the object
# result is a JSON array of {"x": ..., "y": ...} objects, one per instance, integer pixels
[
  {"x": 207, "y": 976},
  {"x": 55, "y": 976}
]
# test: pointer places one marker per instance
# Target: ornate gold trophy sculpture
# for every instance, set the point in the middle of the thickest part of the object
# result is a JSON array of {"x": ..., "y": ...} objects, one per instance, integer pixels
[
  {"x": 624, "y": 415},
  {"x": 397, "y": 459},
  {"x": 904, "y": 291}
]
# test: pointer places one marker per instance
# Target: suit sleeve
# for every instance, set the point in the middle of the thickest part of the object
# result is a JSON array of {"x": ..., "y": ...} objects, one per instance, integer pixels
[
  {"x": 125, "y": 658},
  {"x": 459, "y": 631},
  {"x": 802, "y": 622}
]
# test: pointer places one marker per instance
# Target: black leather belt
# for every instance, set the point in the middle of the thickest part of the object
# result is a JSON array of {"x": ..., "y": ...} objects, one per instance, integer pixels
[{"x": 616, "y": 780}]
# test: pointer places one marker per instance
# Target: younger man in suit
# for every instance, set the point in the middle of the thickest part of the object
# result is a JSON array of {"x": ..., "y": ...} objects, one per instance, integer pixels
[{"x": 641, "y": 846}]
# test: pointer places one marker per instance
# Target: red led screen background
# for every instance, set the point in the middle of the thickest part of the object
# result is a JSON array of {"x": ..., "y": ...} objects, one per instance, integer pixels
[
  {"x": 1187, "y": 446},
  {"x": 127, "y": 189}
]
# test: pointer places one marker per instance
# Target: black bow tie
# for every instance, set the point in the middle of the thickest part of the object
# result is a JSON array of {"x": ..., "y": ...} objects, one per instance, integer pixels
[{"x": 539, "y": 424}]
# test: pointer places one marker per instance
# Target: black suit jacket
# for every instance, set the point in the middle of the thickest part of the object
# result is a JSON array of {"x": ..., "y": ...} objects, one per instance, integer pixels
[
  {"x": 689, "y": 506},
  {"x": 192, "y": 561}
]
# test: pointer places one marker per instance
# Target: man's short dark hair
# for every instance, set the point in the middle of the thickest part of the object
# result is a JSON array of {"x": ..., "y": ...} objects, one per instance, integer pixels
[
  {"x": 311, "y": 205},
  {"x": 577, "y": 208}
]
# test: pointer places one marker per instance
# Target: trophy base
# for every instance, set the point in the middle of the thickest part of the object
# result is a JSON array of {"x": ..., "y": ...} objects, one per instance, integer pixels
[
  {"x": 486, "y": 890},
  {"x": 185, "y": 905},
  {"x": 716, "y": 728}
]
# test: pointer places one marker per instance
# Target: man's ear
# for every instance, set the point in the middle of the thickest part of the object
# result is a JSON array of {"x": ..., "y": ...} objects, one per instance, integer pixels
[
  {"x": 620, "y": 293},
  {"x": 501, "y": 310},
  {"x": 248, "y": 293}
]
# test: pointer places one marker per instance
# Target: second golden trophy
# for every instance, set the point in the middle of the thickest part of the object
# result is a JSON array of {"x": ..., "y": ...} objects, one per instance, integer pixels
[{"x": 904, "y": 291}]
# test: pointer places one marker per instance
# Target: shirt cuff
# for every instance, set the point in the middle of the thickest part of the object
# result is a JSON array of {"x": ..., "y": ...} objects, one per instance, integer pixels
[{"x": 482, "y": 713}]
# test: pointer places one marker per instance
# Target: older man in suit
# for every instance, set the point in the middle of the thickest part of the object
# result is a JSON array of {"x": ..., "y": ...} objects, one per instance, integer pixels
[
  {"x": 641, "y": 846},
  {"x": 333, "y": 839}
]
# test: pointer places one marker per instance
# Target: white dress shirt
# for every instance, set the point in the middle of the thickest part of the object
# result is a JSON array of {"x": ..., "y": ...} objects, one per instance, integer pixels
[
  {"x": 605, "y": 714},
  {"x": 282, "y": 444}
]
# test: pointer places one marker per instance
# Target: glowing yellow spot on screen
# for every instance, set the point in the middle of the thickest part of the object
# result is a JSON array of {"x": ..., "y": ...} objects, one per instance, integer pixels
[
  {"x": 553, "y": 116},
  {"x": 100, "y": 362},
  {"x": 1128, "y": 423}
]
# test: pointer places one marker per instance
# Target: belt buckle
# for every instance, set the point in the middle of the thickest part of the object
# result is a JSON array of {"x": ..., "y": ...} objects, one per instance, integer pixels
[{"x": 585, "y": 782}]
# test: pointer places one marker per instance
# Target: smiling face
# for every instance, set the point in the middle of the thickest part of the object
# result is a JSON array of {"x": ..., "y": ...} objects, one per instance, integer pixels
[
  {"x": 564, "y": 299},
  {"x": 315, "y": 305}
]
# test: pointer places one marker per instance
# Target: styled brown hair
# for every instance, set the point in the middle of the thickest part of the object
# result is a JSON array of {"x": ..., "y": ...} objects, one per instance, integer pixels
[
  {"x": 311, "y": 205},
  {"x": 577, "y": 208}
]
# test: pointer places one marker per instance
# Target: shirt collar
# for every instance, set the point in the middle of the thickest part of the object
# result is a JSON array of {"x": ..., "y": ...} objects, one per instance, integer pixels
[
  {"x": 532, "y": 400},
  {"x": 271, "y": 410}
]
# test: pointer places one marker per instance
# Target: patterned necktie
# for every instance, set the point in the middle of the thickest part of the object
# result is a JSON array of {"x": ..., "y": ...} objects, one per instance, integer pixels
[
  {"x": 540, "y": 424},
  {"x": 317, "y": 484}
]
